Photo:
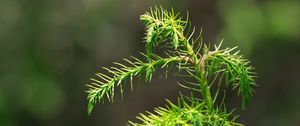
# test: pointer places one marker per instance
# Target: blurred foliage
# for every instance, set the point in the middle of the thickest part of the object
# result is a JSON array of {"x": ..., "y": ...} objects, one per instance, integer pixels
[
  {"x": 247, "y": 22},
  {"x": 48, "y": 48}
]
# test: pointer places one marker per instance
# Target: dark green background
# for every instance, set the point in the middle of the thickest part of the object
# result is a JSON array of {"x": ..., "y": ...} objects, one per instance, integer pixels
[{"x": 50, "y": 48}]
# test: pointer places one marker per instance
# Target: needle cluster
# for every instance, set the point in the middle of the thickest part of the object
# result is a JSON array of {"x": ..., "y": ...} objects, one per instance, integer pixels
[{"x": 206, "y": 66}]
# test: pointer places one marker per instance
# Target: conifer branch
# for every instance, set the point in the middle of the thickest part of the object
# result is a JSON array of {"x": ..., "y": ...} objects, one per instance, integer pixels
[
  {"x": 186, "y": 113},
  {"x": 104, "y": 85},
  {"x": 208, "y": 67}
]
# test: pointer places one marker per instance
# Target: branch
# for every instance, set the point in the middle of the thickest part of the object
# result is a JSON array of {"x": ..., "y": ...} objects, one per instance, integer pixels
[
  {"x": 188, "y": 112},
  {"x": 105, "y": 85},
  {"x": 161, "y": 26},
  {"x": 237, "y": 70}
]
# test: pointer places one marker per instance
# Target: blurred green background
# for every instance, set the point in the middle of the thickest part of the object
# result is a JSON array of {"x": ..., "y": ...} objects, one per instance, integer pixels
[{"x": 49, "y": 49}]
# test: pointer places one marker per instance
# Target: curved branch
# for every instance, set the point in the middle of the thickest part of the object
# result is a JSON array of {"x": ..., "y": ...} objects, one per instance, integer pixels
[
  {"x": 237, "y": 71},
  {"x": 105, "y": 85}
]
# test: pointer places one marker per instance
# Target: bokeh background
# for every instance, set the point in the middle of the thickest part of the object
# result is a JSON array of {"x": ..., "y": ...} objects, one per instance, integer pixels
[{"x": 50, "y": 48}]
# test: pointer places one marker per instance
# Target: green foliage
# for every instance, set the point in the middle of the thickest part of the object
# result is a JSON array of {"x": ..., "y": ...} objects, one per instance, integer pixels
[
  {"x": 162, "y": 26},
  {"x": 207, "y": 67},
  {"x": 192, "y": 113},
  {"x": 104, "y": 85},
  {"x": 236, "y": 70}
]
